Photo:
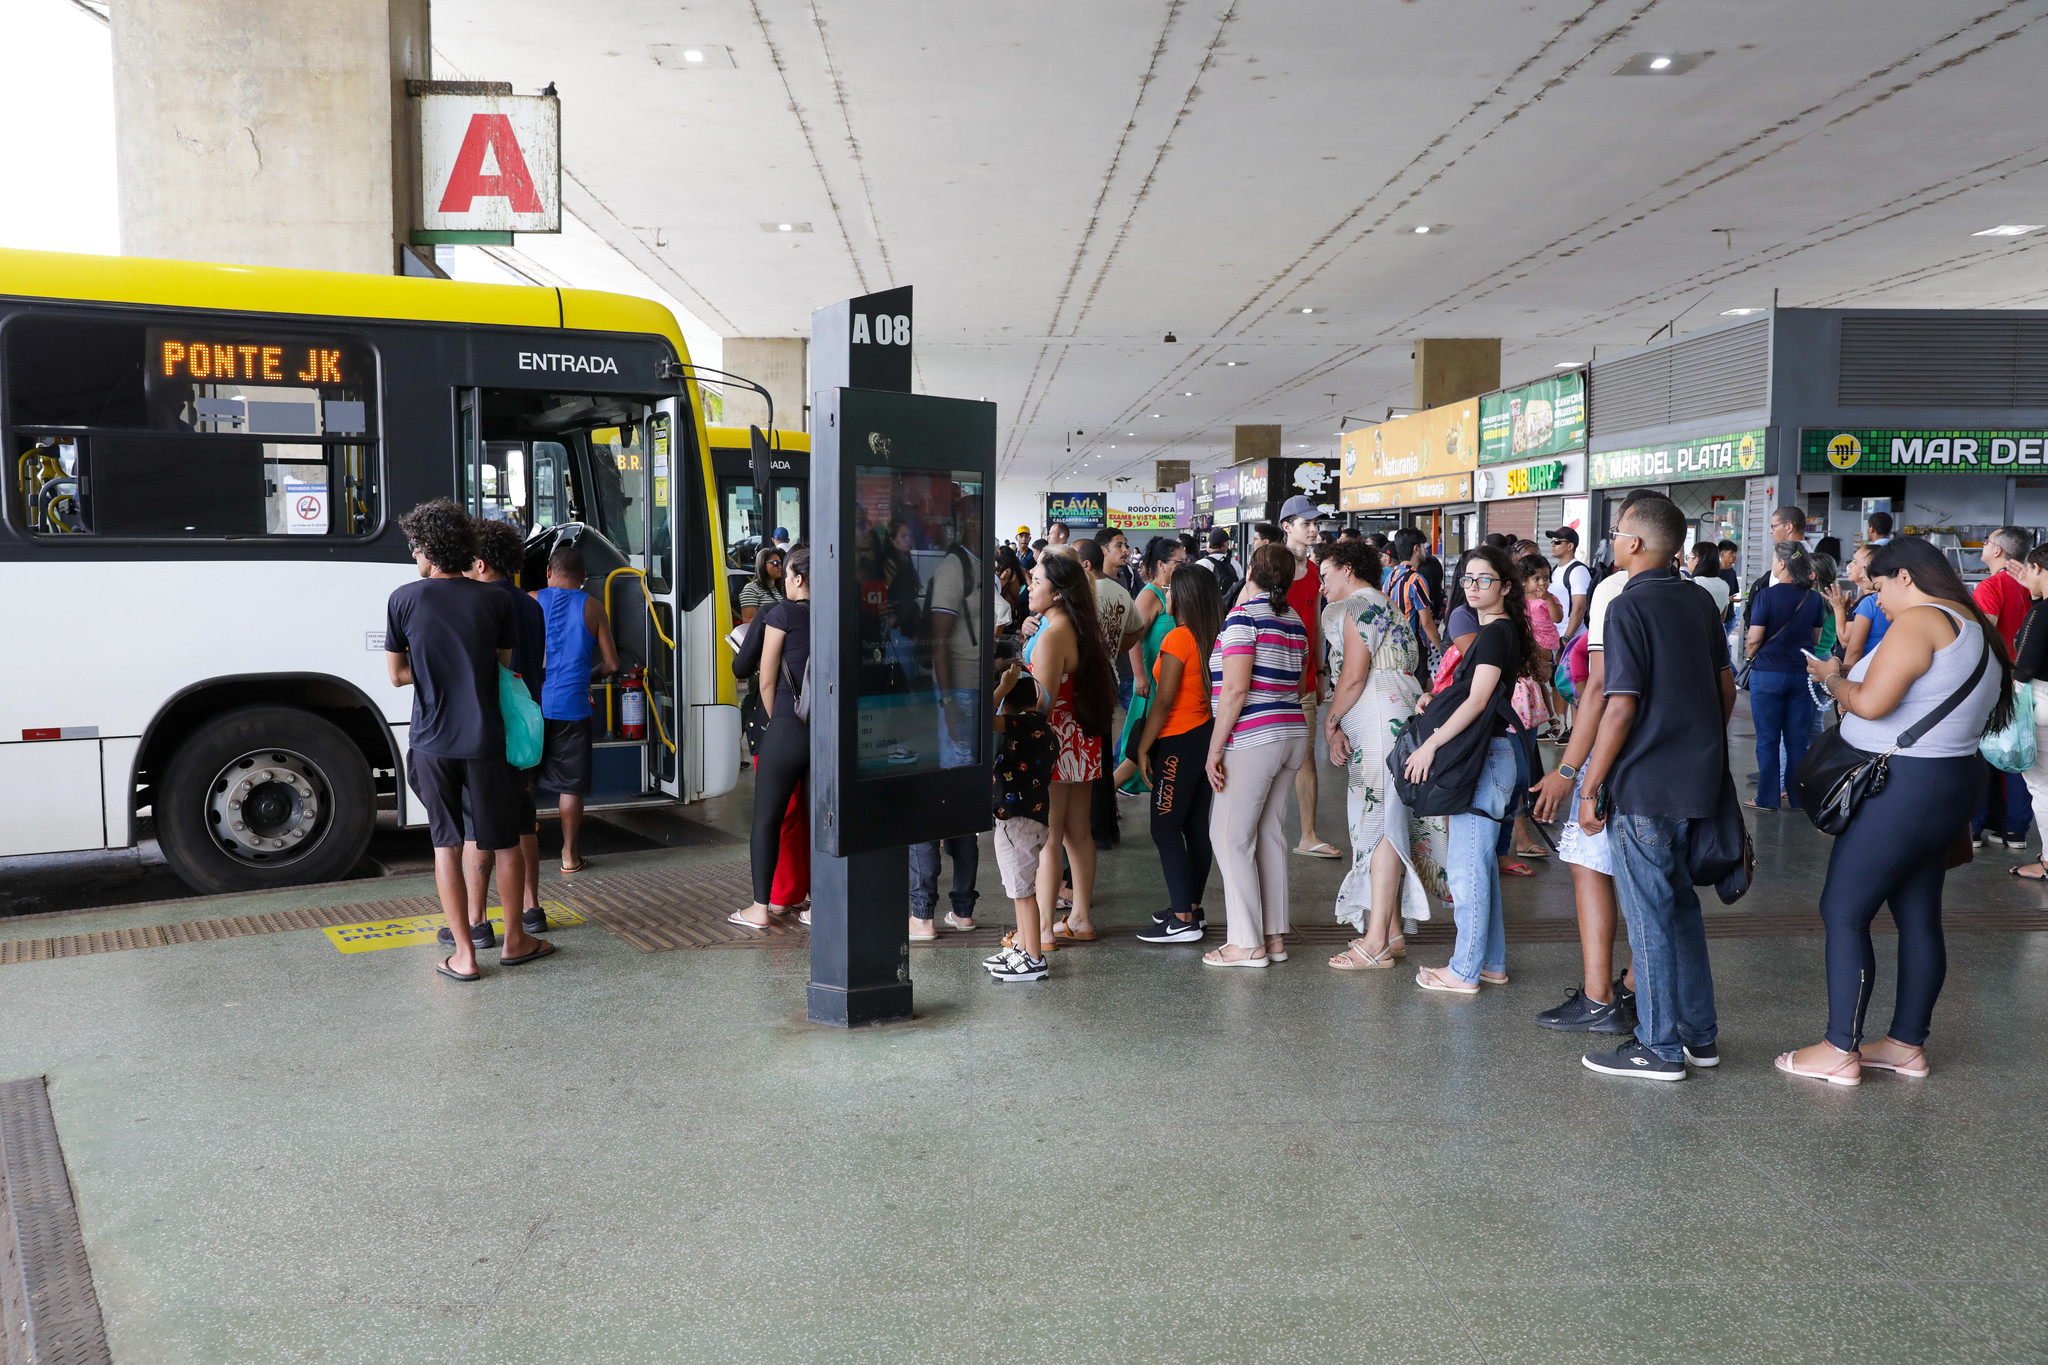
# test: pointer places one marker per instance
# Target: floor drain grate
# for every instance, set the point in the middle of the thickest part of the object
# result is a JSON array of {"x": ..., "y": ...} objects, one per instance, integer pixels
[{"x": 52, "y": 1314}]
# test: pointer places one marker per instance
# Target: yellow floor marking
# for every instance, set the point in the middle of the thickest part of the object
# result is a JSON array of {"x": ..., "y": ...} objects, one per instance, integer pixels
[{"x": 415, "y": 929}]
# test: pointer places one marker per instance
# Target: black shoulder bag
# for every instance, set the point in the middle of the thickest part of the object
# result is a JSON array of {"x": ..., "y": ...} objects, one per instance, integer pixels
[
  {"x": 1454, "y": 776},
  {"x": 1837, "y": 777},
  {"x": 1742, "y": 673}
]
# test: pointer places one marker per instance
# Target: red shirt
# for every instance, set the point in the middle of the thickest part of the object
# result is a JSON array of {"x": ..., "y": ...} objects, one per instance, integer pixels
[
  {"x": 2005, "y": 602},
  {"x": 1304, "y": 598}
]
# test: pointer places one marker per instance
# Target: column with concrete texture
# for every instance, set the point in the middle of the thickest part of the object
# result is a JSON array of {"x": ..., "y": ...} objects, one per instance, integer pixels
[
  {"x": 1254, "y": 443},
  {"x": 777, "y": 364},
  {"x": 1450, "y": 368},
  {"x": 268, "y": 134}
]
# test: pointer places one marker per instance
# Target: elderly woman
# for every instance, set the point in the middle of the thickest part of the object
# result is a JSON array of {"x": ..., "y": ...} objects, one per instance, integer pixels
[
  {"x": 1785, "y": 621},
  {"x": 1397, "y": 859},
  {"x": 1941, "y": 682}
]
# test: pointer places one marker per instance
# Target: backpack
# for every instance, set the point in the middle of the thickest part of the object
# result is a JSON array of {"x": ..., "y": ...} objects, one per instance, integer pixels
[
  {"x": 1454, "y": 775},
  {"x": 967, "y": 593},
  {"x": 802, "y": 709},
  {"x": 1218, "y": 563}
]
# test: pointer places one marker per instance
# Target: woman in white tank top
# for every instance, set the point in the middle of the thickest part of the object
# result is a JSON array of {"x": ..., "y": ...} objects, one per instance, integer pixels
[{"x": 1895, "y": 850}]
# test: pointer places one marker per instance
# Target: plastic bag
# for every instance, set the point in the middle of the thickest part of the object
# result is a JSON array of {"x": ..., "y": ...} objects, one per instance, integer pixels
[
  {"x": 524, "y": 728},
  {"x": 2014, "y": 749}
]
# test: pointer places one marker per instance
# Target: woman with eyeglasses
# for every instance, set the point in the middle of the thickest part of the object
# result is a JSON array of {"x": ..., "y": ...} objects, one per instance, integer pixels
[
  {"x": 1501, "y": 652},
  {"x": 765, "y": 588}
]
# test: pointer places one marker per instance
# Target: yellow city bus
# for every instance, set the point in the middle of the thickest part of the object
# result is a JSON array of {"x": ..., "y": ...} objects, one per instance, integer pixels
[{"x": 199, "y": 530}]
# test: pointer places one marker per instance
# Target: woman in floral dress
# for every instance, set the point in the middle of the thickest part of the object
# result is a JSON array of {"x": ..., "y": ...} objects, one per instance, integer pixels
[{"x": 1397, "y": 860}]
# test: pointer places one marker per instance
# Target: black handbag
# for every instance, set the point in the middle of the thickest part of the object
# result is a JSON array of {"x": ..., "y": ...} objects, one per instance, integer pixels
[
  {"x": 1837, "y": 777},
  {"x": 1454, "y": 776},
  {"x": 1742, "y": 671},
  {"x": 1722, "y": 853}
]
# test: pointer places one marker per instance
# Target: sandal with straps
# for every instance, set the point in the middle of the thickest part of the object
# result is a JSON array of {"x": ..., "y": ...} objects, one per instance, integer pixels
[
  {"x": 1355, "y": 958},
  {"x": 1847, "y": 1070}
]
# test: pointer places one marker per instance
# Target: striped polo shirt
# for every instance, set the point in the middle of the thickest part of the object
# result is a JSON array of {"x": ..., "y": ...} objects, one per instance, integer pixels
[{"x": 1278, "y": 645}]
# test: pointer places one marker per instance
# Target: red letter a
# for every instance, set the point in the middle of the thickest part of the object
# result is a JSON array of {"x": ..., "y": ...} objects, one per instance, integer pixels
[{"x": 468, "y": 181}]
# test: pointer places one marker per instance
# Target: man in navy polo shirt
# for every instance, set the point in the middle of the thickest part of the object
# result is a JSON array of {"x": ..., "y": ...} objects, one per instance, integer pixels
[{"x": 1659, "y": 761}]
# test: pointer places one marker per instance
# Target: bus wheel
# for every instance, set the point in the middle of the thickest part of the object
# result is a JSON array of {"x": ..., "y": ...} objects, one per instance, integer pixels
[{"x": 264, "y": 796}]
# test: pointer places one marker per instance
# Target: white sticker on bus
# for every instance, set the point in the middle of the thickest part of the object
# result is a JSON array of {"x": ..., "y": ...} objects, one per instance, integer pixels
[{"x": 305, "y": 507}]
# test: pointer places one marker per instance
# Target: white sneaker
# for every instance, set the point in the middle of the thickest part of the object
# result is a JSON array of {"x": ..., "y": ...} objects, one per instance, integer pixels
[{"x": 1018, "y": 966}]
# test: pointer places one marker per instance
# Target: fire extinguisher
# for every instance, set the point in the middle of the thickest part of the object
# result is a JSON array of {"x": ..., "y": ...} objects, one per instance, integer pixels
[{"x": 633, "y": 704}]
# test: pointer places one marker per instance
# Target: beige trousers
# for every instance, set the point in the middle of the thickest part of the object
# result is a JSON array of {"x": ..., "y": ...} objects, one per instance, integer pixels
[{"x": 1246, "y": 834}]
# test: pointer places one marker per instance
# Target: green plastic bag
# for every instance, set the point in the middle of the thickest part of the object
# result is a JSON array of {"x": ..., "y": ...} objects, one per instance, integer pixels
[
  {"x": 524, "y": 728},
  {"x": 2013, "y": 749}
]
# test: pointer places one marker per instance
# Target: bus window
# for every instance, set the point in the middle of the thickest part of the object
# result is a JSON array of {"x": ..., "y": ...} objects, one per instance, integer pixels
[
  {"x": 659, "y": 541},
  {"x": 503, "y": 495},
  {"x": 789, "y": 511},
  {"x": 167, "y": 430},
  {"x": 618, "y": 477},
  {"x": 550, "y": 463}
]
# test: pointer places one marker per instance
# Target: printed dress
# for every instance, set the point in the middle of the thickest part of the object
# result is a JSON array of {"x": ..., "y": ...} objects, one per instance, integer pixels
[{"x": 1366, "y": 620}]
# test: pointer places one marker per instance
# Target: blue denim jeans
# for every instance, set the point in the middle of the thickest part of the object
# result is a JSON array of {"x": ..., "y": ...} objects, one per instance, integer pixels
[
  {"x": 956, "y": 747},
  {"x": 924, "y": 876},
  {"x": 1674, "y": 980},
  {"x": 1782, "y": 709},
  {"x": 1473, "y": 873}
]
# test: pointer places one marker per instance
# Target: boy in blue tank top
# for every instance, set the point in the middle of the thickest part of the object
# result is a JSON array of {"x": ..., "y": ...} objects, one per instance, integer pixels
[{"x": 576, "y": 631}]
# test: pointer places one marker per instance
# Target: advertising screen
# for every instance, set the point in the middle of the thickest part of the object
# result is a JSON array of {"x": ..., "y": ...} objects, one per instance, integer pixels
[
  {"x": 1547, "y": 417},
  {"x": 1435, "y": 445},
  {"x": 920, "y": 689}
]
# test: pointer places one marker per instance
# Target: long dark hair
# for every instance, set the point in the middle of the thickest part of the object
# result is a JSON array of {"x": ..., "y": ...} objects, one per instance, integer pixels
[
  {"x": 1157, "y": 551},
  {"x": 1935, "y": 576},
  {"x": 1197, "y": 605},
  {"x": 761, "y": 578},
  {"x": 1515, "y": 604},
  {"x": 1706, "y": 559},
  {"x": 1094, "y": 676},
  {"x": 1456, "y": 586},
  {"x": 1272, "y": 572}
]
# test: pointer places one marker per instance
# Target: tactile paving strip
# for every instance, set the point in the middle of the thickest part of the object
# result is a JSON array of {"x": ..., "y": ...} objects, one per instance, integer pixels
[
  {"x": 667, "y": 908},
  {"x": 52, "y": 1314}
]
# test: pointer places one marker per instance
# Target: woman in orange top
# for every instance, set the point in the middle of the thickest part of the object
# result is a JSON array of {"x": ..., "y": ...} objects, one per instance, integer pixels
[{"x": 1174, "y": 749}]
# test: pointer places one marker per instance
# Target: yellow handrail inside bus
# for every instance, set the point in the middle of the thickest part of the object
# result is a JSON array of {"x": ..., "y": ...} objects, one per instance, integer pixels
[{"x": 653, "y": 616}]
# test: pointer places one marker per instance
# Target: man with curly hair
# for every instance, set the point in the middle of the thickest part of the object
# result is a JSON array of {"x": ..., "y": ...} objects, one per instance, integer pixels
[{"x": 445, "y": 636}]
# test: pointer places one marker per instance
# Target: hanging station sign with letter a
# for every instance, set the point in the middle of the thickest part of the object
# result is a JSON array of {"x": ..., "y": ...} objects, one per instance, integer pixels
[
  {"x": 1884, "y": 450},
  {"x": 489, "y": 162}
]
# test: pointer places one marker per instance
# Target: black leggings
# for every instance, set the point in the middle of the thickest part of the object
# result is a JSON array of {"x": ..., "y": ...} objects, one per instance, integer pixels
[
  {"x": 1896, "y": 850},
  {"x": 1180, "y": 813},
  {"x": 785, "y": 762}
]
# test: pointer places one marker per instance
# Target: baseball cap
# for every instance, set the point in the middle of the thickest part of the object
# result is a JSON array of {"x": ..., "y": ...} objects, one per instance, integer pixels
[
  {"x": 1023, "y": 530},
  {"x": 1298, "y": 506},
  {"x": 1564, "y": 533}
]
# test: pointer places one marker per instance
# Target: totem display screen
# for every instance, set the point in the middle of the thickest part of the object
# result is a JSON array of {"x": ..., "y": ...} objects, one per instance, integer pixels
[{"x": 920, "y": 689}]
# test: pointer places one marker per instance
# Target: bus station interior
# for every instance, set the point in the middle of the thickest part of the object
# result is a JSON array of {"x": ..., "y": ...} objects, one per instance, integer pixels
[{"x": 1439, "y": 264}]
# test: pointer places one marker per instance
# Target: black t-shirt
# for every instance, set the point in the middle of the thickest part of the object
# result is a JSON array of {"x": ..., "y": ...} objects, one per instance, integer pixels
[
  {"x": 530, "y": 624},
  {"x": 453, "y": 628},
  {"x": 1497, "y": 644},
  {"x": 794, "y": 620},
  {"x": 1665, "y": 647}
]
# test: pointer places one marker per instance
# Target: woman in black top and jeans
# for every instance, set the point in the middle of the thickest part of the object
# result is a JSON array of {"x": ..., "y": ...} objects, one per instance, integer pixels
[{"x": 786, "y": 747}]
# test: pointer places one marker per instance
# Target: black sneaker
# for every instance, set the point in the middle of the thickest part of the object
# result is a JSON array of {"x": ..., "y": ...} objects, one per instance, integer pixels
[
  {"x": 480, "y": 936},
  {"x": 536, "y": 920},
  {"x": 1625, "y": 1002},
  {"x": 1017, "y": 965},
  {"x": 1633, "y": 1059},
  {"x": 1578, "y": 1014},
  {"x": 1168, "y": 927},
  {"x": 1705, "y": 1055}
]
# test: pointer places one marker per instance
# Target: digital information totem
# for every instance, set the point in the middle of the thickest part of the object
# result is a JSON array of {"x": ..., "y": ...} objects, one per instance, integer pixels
[{"x": 902, "y": 599}]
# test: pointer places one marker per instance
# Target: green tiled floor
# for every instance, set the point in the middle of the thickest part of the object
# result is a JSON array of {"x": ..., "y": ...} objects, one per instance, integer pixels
[{"x": 284, "y": 1154}]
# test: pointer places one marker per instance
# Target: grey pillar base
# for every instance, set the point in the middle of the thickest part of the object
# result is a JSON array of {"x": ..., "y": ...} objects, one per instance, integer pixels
[{"x": 860, "y": 939}]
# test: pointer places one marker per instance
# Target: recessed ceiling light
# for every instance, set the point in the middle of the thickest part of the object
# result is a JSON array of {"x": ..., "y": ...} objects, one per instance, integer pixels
[
  {"x": 1130, "y": 433},
  {"x": 1188, "y": 393},
  {"x": 2009, "y": 230},
  {"x": 1661, "y": 63},
  {"x": 1566, "y": 365},
  {"x": 1233, "y": 364},
  {"x": 692, "y": 54},
  {"x": 1156, "y": 414},
  {"x": 785, "y": 227},
  {"x": 1308, "y": 310},
  {"x": 1739, "y": 312},
  {"x": 1422, "y": 230}
]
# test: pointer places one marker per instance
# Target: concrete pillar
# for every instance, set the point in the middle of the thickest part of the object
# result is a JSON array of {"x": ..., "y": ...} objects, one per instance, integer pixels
[
  {"x": 268, "y": 134},
  {"x": 778, "y": 365},
  {"x": 1168, "y": 473},
  {"x": 1254, "y": 443},
  {"x": 1450, "y": 368}
]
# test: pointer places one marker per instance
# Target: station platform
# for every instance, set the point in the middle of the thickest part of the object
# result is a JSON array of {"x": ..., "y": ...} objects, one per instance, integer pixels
[{"x": 288, "y": 1140}]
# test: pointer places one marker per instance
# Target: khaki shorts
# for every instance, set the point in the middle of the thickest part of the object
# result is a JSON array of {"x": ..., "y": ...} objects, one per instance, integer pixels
[{"x": 1018, "y": 843}]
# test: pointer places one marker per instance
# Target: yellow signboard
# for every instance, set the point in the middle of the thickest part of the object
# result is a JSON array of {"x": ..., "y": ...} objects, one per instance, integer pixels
[
  {"x": 1412, "y": 493},
  {"x": 416, "y": 929},
  {"x": 1433, "y": 447}
]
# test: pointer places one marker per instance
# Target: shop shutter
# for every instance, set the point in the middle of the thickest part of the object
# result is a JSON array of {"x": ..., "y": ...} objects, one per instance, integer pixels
[
  {"x": 1758, "y": 504},
  {"x": 1516, "y": 517},
  {"x": 1694, "y": 378},
  {"x": 1964, "y": 362},
  {"x": 1549, "y": 516}
]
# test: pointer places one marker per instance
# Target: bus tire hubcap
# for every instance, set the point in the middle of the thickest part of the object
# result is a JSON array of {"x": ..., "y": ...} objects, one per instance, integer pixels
[{"x": 266, "y": 806}]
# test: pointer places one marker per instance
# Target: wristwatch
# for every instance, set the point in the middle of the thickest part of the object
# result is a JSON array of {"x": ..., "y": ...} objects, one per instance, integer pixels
[{"x": 1568, "y": 772}]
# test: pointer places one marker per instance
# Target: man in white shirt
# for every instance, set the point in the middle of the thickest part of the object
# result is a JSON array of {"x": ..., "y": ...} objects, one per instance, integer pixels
[{"x": 1571, "y": 582}]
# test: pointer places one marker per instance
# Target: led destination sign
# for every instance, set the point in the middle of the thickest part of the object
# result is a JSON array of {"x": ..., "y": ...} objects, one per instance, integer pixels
[{"x": 228, "y": 361}]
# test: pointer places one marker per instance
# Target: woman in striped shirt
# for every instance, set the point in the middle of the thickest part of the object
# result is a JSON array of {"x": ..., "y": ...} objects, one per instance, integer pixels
[{"x": 1261, "y": 738}]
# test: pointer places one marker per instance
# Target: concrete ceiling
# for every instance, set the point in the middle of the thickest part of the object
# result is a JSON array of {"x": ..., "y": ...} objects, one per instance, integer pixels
[{"x": 1067, "y": 182}]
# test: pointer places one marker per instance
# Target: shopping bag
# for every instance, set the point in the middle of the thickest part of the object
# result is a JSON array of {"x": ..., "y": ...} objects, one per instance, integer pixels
[
  {"x": 524, "y": 728},
  {"x": 2013, "y": 749}
]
